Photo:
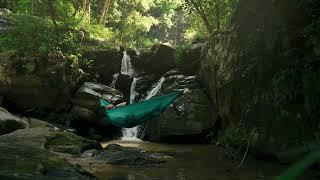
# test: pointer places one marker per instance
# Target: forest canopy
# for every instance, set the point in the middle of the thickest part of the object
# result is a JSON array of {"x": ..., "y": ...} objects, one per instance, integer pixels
[{"x": 130, "y": 23}]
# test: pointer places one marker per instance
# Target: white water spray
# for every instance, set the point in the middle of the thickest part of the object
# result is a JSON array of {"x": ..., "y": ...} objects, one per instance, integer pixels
[
  {"x": 126, "y": 66},
  {"x": 156, "y": 88},
  {"x": 131, "y": 134},
  {"x": 133, "y": 92},
  {"x": 114, "y": 80}
]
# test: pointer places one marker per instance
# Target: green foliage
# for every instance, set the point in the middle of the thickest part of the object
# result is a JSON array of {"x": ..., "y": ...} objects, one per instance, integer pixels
[
  {"x": 236, "y": 136},
  {"x": 213, "y": 14},
  {"x": 133, "y": 23},
  {"x": 37, "y": 36},
  {"x": 180, "y": 52},
  {"x": 99, "y": 32}
]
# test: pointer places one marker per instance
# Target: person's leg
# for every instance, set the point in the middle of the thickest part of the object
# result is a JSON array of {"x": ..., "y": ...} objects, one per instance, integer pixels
[{"x": 121, "y": 104}]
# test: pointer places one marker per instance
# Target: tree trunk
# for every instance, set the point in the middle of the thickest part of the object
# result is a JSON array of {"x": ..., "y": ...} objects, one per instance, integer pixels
[
  {"x": 89, "y": 11},
  {"x": 52, "y": 12},
  {"x": 84, "y": 5},
  {"x": 217, "y": 14},
  {"x": 104, "y": 11}
]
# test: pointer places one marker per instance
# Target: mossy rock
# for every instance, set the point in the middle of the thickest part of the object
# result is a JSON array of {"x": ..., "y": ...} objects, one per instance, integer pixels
[
  {"x": 24, "y": 161},
  {"x": 50, "y": 139}
]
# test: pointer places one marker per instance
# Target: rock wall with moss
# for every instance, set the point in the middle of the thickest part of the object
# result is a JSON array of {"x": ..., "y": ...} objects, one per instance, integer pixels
[
  {"x": 31, "y": 81},
  {"x": 263, "y": 74}
]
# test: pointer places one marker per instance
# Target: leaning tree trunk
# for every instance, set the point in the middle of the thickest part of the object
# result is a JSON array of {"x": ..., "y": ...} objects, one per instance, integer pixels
[
  {"x": 86, "y": 7},
  {"x": 104, "y": 11}
]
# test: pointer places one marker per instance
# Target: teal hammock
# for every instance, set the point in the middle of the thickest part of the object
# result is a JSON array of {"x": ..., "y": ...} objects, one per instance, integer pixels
[{"x": 134, "y": 114}]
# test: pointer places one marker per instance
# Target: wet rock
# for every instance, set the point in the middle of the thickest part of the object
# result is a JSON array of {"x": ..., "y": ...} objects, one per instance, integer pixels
[
  {"x": 10, "y": 123},
  {"x": 20, "y": 160},
  {"x": 188, "y": 119},
  {"x": 123, "y": 84},
  {"x": 143, "y": 84},
  {"x": 51, "y": 139},
  {"x": 116, "y": 154}
]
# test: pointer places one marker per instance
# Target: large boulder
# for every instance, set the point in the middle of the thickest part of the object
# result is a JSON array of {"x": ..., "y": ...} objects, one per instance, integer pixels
[
  {"x": 264, "y": 80},
  {"x": 158, "y": 60},
  {"x": 35, "y": 150},
  {"x": 10, "y": 123},
  {"x": 188, "y": 120},
  {"x": 51, "y": 139},
  {"x": 23, "y": 161},
  {"x": 106, "y": 62}
]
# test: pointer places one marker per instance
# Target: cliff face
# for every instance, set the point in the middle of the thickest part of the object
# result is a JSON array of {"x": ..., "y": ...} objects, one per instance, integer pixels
[{"x": 263, "y": 73}]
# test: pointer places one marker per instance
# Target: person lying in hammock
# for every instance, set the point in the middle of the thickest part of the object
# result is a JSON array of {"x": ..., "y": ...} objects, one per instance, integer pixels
[{"x": 110, "y": 106}]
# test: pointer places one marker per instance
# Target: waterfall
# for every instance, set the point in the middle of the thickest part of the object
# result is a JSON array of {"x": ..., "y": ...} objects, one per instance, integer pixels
[
  {"x": 114, "y": 80},
  {"x": 133, "y": 92},
  {"x": 126, "y": 66},
  {"x": 129, "y": 134},
  {"x": 156, "y": 88}
]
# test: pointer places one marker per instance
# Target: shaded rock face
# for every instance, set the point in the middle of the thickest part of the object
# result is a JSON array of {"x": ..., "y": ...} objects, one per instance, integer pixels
[
  {"x": 123, "y": 84},
  {"x": 246, "y": 74},
  {"x": 191, "y": 59},
  {"x": 116, "y": 154},
  {"x": 158, "y": 60},
  {"x": 33, "y": 148},
  {"x": 188, "y": 120},
  {"x": 105, "y": 64},
  {"x": 36, "y": 82}
]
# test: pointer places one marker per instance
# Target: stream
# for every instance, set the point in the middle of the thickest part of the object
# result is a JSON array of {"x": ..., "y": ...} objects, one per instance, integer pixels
[{"x": 194, "y": 162}]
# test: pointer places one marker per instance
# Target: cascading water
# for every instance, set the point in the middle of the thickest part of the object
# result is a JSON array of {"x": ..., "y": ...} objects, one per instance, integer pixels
[
  {"x": 133, "y": 92},
  {"x": 131, "y": 134},
  {"x": 126, "y": 66},
  {"x": 114, "y": 80},
  {"x": 156, "y": 88}
]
